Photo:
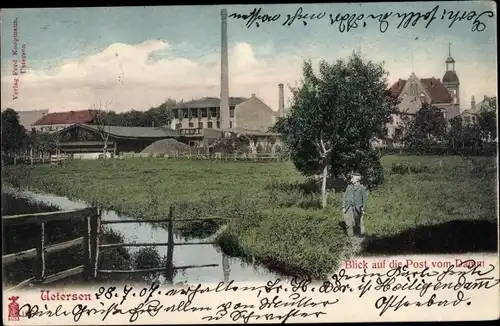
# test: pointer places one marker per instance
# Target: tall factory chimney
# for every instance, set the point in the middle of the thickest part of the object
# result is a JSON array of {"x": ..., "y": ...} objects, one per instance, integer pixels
[
  {"x": 224, "y": 78},
  {"x": 281, "y": 101}
]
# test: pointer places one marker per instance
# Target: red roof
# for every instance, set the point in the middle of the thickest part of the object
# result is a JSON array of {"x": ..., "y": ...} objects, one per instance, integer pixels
[
  {"x": 69, "y": 117},
  {"x": 437, "y": 91}
]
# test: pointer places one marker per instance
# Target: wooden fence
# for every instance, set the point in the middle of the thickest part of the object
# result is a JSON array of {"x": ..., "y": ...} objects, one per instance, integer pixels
[
  {"x": 92, "y": 246},
  {"x": 88, "y": 239},
  {"x": 169, "y": 269}
]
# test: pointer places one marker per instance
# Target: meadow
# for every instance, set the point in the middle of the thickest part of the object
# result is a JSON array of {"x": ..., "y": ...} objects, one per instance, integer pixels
[{"x": 277, "y": 219}]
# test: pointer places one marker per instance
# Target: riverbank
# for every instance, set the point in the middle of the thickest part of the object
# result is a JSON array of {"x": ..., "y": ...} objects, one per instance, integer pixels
[{"x": 278, "y": 223}]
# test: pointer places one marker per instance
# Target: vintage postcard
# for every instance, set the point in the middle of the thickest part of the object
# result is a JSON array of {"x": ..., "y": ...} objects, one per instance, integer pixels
[{"x": 286, "y": 163}]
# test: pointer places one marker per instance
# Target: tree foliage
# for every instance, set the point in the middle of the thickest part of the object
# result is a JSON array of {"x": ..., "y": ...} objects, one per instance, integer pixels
[
  {"x": 232, "y": 143},
  {"x": 427, "y": 128},
  {"x": 14, "y": 137},
  {"x": 154, "y": 117},
  {"x": 42, "y": 142},
  {"x": 333, "y": 116}
]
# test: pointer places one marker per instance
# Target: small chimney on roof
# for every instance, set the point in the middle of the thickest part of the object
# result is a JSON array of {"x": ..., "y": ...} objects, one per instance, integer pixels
[
  {"x": 253, "y": 94},
  {"x": 472, "y": 102}
]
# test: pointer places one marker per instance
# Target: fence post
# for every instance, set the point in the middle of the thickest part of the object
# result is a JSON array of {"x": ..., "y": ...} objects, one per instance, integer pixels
[
  {"x": 170, "y": 248},
  {"x": 40, "y": 255},
  {"x": 87, "y": 259},
  {"x": 95, "y": 225},
  {"x": 225, "y": 267}
]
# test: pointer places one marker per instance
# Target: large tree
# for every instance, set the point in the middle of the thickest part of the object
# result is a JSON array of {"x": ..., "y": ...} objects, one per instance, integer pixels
[
  {"x": 14, "y": 137},
  {"x": 333, "y": 115}
]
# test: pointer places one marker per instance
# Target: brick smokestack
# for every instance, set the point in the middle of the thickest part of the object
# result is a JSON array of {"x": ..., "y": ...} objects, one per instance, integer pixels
[
  {"x": 472, "y": 102},
  {"x": 224, "y": 78},
  {"x": 281, "y": 100}
]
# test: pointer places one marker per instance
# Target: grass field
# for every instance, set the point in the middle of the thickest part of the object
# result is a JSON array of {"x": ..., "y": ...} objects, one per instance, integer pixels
[{"x": 279, "y": 223}]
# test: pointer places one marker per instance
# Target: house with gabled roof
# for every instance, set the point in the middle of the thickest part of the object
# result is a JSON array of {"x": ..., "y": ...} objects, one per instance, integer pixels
[
  {"x": 87, "y": 138},
  {"x": 59, "y": 120},
  {"x": 414, "y": 91}
]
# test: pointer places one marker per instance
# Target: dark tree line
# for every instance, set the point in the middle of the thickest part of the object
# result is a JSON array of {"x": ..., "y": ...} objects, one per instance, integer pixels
[
  {"x": 429, "y": 129},
  {"x": 154, "y": 117}
]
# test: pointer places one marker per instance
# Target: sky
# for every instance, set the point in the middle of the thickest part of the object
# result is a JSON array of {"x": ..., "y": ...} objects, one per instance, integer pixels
[{"x": 137, "y": 57}]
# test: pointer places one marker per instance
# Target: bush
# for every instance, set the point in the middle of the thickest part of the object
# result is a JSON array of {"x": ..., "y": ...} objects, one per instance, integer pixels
[
  {"x": 292, "y": 240},
  {"x": 402, "y": 168}
]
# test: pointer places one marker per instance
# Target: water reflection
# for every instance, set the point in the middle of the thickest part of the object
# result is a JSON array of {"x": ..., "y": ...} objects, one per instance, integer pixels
[{"x": 229, "y": 268}]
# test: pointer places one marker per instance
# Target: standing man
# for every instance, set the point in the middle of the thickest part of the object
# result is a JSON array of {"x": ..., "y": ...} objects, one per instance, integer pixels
[{"x": 353, "y": 206}]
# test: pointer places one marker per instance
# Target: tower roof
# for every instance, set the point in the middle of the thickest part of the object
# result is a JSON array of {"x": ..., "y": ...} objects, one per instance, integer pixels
[{"x": 450, "y": 77}]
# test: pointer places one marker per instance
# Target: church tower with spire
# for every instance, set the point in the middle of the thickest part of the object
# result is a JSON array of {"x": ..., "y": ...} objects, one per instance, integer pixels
[{"x": 450, "y": 78}]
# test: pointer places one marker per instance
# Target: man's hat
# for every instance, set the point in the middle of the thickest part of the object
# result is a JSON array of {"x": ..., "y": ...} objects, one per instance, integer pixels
[{"x": 355, "y": 174}]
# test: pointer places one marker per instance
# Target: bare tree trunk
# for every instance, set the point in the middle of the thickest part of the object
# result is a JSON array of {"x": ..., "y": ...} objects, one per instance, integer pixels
[
  {"x": 323, "y": 187},
  {"x": 104, "y": 150}
]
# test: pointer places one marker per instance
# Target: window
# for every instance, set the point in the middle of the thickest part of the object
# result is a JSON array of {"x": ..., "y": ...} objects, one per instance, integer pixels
[
  {"x": 413, "y": 89},
  {"x": 209, "y": 125},
  {"x": 218, "y": 124},
  {"x": 231, "y": 112},
  {"x": 467, "y": 119},
  {"x": 398, "y": 132},
  {"x": 191, "y": 125},
  {"x": 200, "y": 125},
  {"x": 230, "y": 124},
  {"x": 185, "y": 113},
  {"x": 422, "y": 98},
  {"x": 204, "y": 113},
  {"x": 194, "y": 113},
  {"x": 176, "y": 114},
  {"x": 178, "y": 125},
  {"x": 473, "y": 119}
]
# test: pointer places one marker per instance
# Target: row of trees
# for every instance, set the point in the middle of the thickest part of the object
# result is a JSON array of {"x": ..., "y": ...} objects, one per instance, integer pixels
[
  {"x": 154, "y": 117},
  {"x": 429, "y": 129}
]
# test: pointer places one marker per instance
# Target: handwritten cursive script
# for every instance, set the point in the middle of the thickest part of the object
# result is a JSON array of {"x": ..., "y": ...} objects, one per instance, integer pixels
[
  {"x": 346, "y": 22},
  {"x": 282, "y": 300}
]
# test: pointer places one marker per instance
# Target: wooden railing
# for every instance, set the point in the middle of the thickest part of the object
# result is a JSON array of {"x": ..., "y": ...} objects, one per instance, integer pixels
[
  {"x": 89, "y": 238},
  {"x": 170, "y": 244},
  {"x": 91, "y": 246}
]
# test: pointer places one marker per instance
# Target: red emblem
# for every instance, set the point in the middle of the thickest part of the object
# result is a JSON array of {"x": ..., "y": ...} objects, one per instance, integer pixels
[{"x": 13, "y": 309}]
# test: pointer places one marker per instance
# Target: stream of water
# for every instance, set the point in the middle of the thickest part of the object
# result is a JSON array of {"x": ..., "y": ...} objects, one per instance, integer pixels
[{"x": 229, "y": 268}]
